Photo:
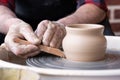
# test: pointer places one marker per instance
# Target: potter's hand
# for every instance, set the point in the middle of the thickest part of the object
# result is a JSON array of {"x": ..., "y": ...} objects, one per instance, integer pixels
[
  {"x": 50, "y": 33},
  {"x": 22, "y": 30}
]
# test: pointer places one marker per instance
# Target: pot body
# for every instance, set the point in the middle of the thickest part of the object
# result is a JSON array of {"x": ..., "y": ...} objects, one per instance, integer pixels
[{"x": 84, "y": 42}]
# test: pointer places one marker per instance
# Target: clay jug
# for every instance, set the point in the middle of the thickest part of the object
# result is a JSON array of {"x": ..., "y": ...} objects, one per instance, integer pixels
[{"x": 84, "y": 42}]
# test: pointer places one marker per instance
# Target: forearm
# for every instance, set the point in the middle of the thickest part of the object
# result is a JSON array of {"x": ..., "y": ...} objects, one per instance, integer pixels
[
  {"x": 88, "y": 13},
  {"x": 5, "y": 15}
]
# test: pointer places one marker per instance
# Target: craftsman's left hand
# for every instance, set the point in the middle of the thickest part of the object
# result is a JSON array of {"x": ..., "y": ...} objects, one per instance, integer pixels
[{"x": 51, "y": 33}]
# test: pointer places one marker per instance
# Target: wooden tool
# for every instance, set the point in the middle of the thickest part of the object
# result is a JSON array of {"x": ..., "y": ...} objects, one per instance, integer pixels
[{"x": 43, "y": 48}]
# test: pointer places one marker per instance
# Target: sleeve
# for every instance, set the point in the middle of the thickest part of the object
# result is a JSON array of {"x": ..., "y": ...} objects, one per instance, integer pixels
[
  {"x": 4, "y": 2},
  {"x": 8, "y": 3},
  {"x": 100, "y": 3}
]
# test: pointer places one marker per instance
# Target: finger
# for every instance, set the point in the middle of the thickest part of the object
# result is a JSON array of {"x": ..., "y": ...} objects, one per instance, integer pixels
[
  {"x": 26, "y": 49},
  {"x": 30, "y": 54},
  {"x": 3, "y": 45},
  {"x": 49, "y": 34},
  {"x": 41, "y": 29},
  {"x": 29, "y": 35},
  {"x": 59, "y": 43},
  {"x": 18, "y": 49},
  {"x": 56, "y": 38},
  {"x": 9, "y": 40}
]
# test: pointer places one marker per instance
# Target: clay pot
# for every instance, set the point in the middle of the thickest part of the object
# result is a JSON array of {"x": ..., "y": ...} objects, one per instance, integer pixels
[{"x": 84, "y": 42}]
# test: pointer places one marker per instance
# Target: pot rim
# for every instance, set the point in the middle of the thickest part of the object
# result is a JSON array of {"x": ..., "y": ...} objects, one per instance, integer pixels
[{"x": 84, "y": 26}]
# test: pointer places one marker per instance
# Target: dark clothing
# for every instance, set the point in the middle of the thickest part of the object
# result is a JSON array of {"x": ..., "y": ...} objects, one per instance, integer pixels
[
  {"x": 107, "y": 30},
  {"x": 44, "y": 9},
  {"x": 100, "y": 3}
]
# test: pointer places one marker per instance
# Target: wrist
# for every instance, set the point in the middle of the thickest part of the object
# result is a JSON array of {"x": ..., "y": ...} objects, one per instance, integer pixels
[
  {"x": 13, "y": 22},
  {"x": 6, "y": 24},
  {"x": 71, "y": 19}
]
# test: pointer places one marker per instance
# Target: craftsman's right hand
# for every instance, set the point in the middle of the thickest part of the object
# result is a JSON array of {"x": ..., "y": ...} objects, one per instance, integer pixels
[{"x": 22, "y": 30}]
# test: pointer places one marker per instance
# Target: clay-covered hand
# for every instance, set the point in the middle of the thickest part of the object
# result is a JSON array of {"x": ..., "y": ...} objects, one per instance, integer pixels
[
  {"x": 21, "y": 30},
  {"x": 50, "y": 33}
]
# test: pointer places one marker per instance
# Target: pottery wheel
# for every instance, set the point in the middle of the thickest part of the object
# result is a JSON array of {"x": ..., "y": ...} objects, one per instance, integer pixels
[{"x": 111, "y": 61}]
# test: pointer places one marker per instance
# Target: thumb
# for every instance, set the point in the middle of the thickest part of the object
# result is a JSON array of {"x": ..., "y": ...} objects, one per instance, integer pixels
[{"x": 29, "y": 34}]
